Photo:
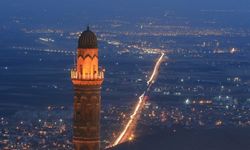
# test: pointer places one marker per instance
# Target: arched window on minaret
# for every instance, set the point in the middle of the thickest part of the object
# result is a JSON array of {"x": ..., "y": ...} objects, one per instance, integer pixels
[
  {"x": 81, "y": 68},
  {"x": 87, "y": 66},
  {"x": 94, "y": 71},
  {"x": 94, "y": 65}
]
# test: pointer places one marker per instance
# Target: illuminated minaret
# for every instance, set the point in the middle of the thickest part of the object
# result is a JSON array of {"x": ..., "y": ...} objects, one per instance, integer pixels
[{"x": 87, "y": 79}]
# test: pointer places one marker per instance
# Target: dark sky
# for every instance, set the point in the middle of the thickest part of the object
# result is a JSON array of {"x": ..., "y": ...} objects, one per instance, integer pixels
[
  {"x": 119, "y": 6},
  {"x": 52, "y": 11}
]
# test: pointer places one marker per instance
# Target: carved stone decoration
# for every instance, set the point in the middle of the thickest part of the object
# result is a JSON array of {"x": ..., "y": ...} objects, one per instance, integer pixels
[{"x": 87, "y": 79}]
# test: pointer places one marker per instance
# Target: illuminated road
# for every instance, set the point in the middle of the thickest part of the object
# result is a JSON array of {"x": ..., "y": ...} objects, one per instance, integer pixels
[
  {"x": 156, "y": 71},
  {"x": 128, "y": 132}
]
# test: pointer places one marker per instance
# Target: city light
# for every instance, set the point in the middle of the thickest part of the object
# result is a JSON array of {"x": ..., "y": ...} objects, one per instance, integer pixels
[
  {"x": 157, "y": 65},
  {"x": 127, "y": 132}
]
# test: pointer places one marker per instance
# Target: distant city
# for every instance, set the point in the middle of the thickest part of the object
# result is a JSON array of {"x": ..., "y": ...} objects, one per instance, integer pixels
[{"x": 203, "y": 83}]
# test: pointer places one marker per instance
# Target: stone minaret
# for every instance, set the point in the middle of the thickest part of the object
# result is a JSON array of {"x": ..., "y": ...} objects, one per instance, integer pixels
[{"x": 87, "y": 79}]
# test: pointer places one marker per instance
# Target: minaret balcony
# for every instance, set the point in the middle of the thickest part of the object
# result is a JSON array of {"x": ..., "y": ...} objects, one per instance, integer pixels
[{"x": 87, "y": 79}]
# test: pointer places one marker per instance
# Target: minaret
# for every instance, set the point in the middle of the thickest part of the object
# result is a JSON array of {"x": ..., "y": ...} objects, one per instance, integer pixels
[{"x": 87, "y": 79}]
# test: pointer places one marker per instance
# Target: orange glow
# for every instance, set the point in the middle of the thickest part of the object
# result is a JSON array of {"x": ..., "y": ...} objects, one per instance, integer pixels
[
  {"x": 130, "y": 122},
  {"x": 131, "y": 137},
  {"x": 157, "y": 65},
  {"x": 86, "y": 71},
  {"x": 128, "y": 131}
]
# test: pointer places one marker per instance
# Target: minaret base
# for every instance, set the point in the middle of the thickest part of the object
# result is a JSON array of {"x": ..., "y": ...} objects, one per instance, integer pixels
[
  {"x": 86, "y": 126},
  {"x": 84, "y": 145}
]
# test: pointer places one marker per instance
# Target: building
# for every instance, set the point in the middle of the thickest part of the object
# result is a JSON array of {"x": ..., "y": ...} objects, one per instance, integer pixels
[{"x": 87, "y": 79}]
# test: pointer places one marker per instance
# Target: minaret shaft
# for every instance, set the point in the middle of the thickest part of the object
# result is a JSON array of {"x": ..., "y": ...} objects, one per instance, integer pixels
[
  {"x": 87, "y": 79},
  {"x": 86, "y": 126}
]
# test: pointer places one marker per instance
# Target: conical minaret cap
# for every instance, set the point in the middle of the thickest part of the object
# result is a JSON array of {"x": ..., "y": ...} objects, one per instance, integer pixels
[{"x": 87, "y": 39}]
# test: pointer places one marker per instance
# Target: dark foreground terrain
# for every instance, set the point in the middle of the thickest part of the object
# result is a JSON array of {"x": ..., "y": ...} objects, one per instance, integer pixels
[{"x": 194, "y": 139}]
